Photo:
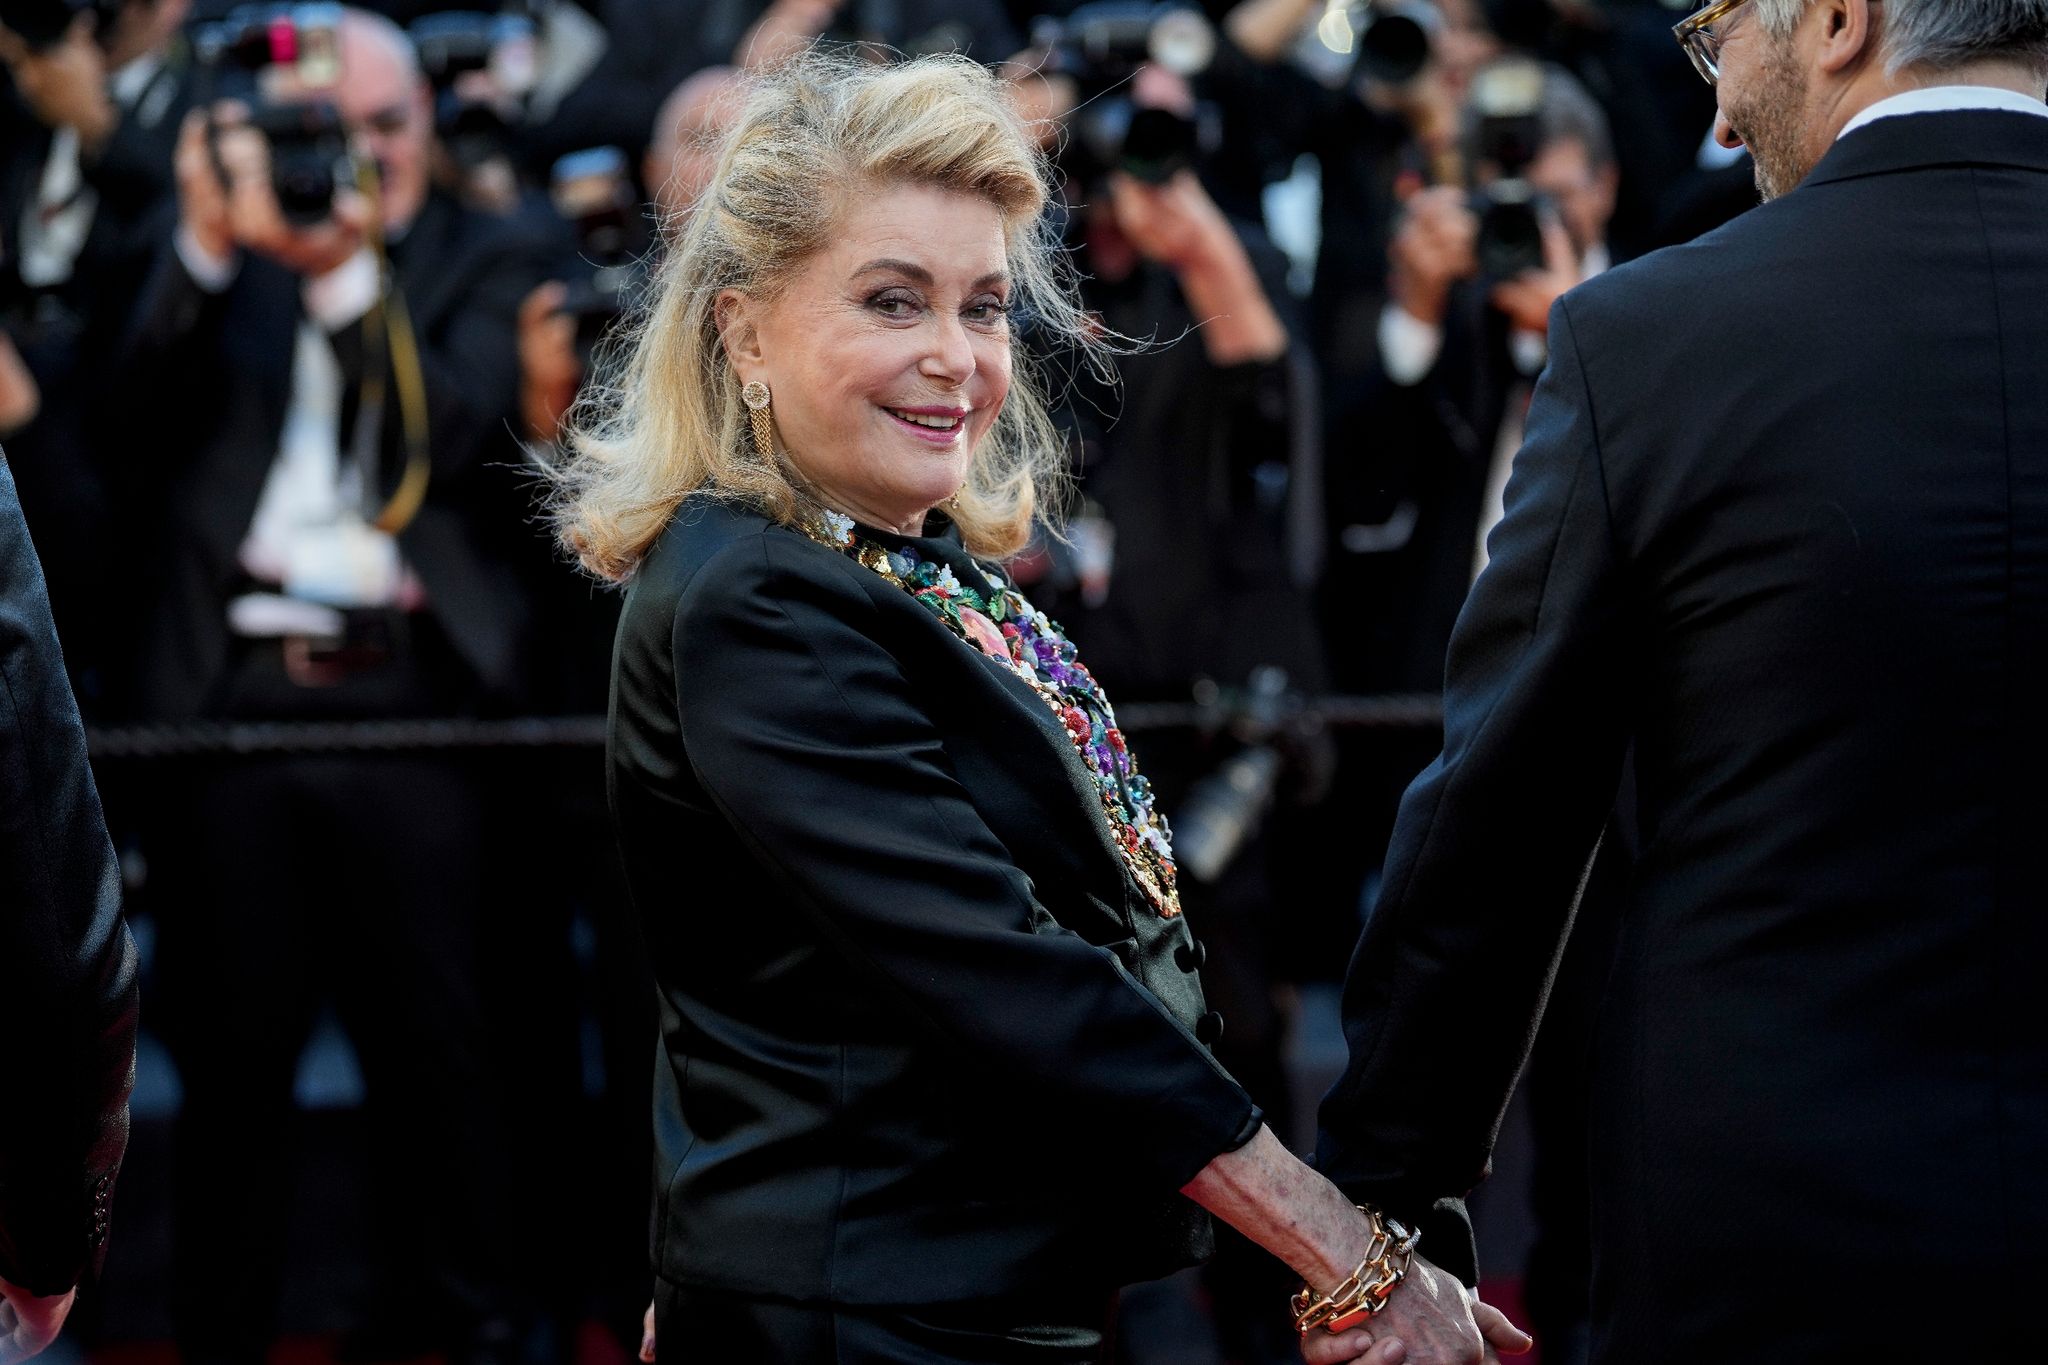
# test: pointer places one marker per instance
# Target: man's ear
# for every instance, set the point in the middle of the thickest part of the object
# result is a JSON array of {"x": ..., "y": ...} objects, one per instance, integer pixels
[
  {"x": 739, "y": 331},
  {"x": 1848, "y": 34}
]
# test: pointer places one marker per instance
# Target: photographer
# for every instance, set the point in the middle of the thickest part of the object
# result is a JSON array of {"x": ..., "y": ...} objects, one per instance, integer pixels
[
  {"x": 1460, "y": 340},
  {"x": 330, "y": 347},
  {"x": 91, "y": 106}
]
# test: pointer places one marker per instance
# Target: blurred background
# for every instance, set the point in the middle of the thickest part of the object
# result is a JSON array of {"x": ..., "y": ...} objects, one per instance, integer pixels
[{"x": 276, "y": 385}]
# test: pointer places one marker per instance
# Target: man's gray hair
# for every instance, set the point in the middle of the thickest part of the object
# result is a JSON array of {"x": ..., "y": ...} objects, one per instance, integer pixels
[{"x": 1940, "y": 35}]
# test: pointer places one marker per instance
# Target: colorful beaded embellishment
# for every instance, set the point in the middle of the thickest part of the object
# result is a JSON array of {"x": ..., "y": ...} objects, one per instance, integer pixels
[{"x": 1010, "y": 632}]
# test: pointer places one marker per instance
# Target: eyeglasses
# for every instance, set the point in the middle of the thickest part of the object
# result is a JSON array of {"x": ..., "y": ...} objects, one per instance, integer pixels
[{"x": 1695, "y": 33}]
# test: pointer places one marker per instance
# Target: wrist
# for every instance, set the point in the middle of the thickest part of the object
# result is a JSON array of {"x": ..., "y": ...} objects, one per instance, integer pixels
[
  {"x": 94, "y": 125},
  {"x": 1425, "y": 301}
]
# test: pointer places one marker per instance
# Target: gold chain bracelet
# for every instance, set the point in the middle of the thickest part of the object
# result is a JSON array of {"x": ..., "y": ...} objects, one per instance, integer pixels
[{"x": 1364, "y": 1294}]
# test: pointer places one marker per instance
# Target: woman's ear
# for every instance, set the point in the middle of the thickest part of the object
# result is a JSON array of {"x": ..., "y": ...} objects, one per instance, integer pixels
[{"x": 740, "y": 332}]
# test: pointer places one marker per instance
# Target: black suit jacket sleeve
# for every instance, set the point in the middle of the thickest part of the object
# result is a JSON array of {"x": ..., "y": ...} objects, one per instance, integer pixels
[
  {"x": 1492, "y": 841},
  {"x": 67, "y": 968},
  {"x": 823, "y": 755}
]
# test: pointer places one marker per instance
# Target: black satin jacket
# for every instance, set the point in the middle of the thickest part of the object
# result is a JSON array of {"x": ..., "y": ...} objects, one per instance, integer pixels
[{"x": 923, "y": 1039}]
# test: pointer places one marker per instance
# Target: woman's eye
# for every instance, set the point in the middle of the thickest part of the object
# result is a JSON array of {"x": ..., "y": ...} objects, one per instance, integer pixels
[
  {"x": 893, "y": 305},
  {"x": 989, "y": 311}
]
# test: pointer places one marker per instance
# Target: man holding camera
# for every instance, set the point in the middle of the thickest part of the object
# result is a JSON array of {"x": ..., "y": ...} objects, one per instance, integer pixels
[
  {"x": 1471, "y": 277},
  {"x": 94, "y": 95},
  {"x": 337, "y": 532}
]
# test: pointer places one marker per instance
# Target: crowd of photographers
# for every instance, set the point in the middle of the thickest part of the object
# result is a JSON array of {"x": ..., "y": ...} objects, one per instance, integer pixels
[{"x": 292, "y": 298}]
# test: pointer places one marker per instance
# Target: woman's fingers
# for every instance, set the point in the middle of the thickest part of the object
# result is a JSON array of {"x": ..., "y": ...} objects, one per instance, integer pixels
[
  {"x": 647, "y": 1336},
  {"x": 1339, "y": 1348}
]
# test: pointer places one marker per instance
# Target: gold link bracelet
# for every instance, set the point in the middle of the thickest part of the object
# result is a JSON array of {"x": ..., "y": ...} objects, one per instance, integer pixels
[{"x": 1364, "y": 1294}]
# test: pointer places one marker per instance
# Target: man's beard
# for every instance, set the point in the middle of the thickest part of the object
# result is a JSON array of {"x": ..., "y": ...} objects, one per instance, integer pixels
[{"x": 1771, "y": 122}]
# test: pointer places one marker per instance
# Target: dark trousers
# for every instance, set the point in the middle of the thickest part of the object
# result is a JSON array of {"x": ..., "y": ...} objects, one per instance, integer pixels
[
  {"x": 713, "y": 1326},
  {"x": 281, "y": 885}
]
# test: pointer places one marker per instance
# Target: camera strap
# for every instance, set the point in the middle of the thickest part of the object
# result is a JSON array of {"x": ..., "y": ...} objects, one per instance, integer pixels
[{"x": 388, "y": 335}]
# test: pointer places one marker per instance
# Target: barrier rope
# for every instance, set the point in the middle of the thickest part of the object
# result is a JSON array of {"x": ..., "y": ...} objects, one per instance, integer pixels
[{"x": 202, "y": 739}]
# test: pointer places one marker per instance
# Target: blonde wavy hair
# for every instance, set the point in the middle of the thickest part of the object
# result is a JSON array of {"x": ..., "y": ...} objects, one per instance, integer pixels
[{"x": 811, "y": 134}]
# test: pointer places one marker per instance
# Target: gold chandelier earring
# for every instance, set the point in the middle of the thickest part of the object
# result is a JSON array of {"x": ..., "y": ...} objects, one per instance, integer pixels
[{"x": 759, "y": 417}]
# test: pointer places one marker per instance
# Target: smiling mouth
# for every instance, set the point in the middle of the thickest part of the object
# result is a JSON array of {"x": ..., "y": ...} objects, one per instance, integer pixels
[{"x": 930, "y": 425}]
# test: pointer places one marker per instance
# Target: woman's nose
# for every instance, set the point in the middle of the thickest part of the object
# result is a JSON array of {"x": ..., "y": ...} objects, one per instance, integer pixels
[{"x": 951, "y": 354}]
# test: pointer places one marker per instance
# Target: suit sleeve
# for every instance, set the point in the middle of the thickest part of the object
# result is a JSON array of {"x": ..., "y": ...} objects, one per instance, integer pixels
[
  {"x": 1491, "y": 844},
  {"x": 822, "y": 754},
  {"x": 67, "y": 967}
]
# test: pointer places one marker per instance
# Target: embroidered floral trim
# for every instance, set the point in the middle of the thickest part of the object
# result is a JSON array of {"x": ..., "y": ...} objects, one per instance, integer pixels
[{"x": 1013, "y": 634}]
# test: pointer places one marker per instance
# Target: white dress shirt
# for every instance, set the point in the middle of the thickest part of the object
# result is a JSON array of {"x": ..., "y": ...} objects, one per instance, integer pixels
[
  {"x": 58, "y": 216},
  {"x": 309, "y": 537},
  {"x": 1943, "y": 99}
]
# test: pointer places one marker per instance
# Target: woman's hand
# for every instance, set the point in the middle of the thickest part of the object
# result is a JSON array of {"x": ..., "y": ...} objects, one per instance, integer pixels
[
  {"x": 1430, "y": 1319},
  {"x": 647, "y": 1335}
]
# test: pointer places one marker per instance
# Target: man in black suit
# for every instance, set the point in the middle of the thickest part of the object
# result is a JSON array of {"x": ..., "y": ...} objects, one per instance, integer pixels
[
  {"x": 336, "y": 541},
  {"x": 87, "y": 123},
  {"x": 67, "y": 971},
  {"x": 1778, "y": 528}
]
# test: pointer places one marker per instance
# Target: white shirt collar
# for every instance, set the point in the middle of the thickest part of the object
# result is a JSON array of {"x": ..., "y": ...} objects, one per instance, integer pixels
[{"x": 1938, "y": 99}]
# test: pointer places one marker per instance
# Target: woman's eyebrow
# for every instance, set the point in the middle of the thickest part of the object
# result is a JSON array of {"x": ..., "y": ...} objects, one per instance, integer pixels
[{"x": 918, "y": 274}]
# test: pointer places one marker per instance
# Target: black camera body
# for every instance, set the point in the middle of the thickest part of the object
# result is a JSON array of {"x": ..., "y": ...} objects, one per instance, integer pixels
[
  {"x": 1100, "y": 46},
  {"x": 593, "y": 190},
  {"x": 451, "y": 45},
  {"x": 244, "y": 57},
  {"x": 1508, "y": 98},
  {"x": 42, "y": 24}
]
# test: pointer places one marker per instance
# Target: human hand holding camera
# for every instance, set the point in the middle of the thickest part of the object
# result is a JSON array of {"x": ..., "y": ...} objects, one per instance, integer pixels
[
  {"x": 64, "y": 85},
  {"x": 227, "y": 204},
  {"x": 1526, "y": 299},
  {"x": 1435, "y": 245},
  {"x": 550, "y": 371}
]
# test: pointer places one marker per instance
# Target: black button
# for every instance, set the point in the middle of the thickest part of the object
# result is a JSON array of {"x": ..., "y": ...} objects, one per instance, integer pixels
[
  {"x": 1184, "y": 957},
  {"x": 1209, "y": 1027}
]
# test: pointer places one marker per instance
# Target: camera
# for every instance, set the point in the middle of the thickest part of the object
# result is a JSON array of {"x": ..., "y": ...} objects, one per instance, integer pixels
[
  {"x": 452, "y": 45},
  {"x": 1100, "y": 46},
  {"x": 593, "y": 190},
  {"x": 42, "y": 24},
  {"x": 1396, "y": 42},
  {"x": 1507, "y": 100},
  {"x": 284, "y": 62}
]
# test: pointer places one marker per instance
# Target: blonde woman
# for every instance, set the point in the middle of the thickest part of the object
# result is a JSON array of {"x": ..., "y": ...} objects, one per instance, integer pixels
[{"x": 935, "y": 1077}]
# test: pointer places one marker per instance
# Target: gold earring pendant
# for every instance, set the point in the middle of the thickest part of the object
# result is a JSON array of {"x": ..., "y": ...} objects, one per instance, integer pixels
[{"x": 755, "y": 396}]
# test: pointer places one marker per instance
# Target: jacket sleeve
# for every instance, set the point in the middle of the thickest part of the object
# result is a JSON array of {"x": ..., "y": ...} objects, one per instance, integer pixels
[
  {"x": 67, "y": 967},
  {"x": 822, "y": 753},
  {"x": 1492, "y": 841}
]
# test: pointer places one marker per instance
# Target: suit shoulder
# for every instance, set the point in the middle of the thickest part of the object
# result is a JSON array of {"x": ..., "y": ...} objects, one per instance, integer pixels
[
  {"x": 1724, "y": 275},
  {"x": 716, "y": 554}
]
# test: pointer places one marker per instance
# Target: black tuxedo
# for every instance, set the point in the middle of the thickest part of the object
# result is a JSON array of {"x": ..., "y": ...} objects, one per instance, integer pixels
[
  {"x": 924, "y": 1040},
  {"x": 67, "y": 969},
  {"x": 219, "y": 366},
  {"x": 1781, "y": 523}
]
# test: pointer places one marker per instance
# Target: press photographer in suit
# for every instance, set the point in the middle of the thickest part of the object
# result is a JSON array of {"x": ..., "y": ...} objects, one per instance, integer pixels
[
  {"x": 1778, "y": 530},
  {"x": 67, "y": 971},
  {"x": 338, "y": 504},
  {"x": 89, "y": 110}
]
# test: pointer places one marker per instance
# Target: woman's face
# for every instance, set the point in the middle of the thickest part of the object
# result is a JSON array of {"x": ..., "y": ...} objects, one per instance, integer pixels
[{"x": 888, "y": 355}]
